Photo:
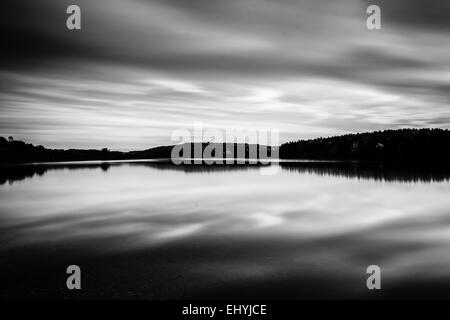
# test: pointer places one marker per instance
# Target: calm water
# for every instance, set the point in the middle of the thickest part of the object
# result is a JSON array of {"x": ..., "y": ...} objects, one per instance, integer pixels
[{"x": 158, "y": 231}]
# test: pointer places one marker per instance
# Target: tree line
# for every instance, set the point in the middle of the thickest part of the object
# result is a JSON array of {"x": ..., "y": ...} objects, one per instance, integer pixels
[{"x": 404, "y": 145}]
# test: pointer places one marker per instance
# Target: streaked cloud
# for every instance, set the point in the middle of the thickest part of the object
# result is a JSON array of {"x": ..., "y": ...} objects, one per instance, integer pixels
[{"x": 139, "y": 69}]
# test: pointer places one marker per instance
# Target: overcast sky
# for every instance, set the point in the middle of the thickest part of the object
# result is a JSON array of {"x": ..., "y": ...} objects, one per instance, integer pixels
[{"x": 140, "y": 69}]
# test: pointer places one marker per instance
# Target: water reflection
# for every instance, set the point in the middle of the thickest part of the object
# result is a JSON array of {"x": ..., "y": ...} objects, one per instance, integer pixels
[
  {"x": 11, "y": 173},
  {"x": 350, "y": 170},
  {"x": 154, "y": 230},
  {"x": 376, "y": 171}
]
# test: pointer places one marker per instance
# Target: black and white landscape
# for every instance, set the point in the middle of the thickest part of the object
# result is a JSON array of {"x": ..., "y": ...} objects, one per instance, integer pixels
[{"x": 353, "y": 178}]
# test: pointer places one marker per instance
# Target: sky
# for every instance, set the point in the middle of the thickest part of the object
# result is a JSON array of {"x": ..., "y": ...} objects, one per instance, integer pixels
[{"x": 140, "y": 69}]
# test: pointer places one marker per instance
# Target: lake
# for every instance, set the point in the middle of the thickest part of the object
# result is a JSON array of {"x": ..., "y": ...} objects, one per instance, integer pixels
[{"x": 152, "y": 230}]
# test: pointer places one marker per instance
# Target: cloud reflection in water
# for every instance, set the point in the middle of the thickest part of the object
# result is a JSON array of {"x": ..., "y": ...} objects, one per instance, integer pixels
[{"x": 237, "y": 223}]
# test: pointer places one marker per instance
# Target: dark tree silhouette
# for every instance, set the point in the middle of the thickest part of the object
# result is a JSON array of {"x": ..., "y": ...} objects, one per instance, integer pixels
[{"x": 405, "y": 145}]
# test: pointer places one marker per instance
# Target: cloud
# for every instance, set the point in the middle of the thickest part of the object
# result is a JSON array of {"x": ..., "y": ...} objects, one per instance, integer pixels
[{"x": 139, "y": 69}]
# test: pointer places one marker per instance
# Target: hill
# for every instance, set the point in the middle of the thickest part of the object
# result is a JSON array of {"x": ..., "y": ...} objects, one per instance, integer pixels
[{"x": 12, "y": 151}]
